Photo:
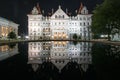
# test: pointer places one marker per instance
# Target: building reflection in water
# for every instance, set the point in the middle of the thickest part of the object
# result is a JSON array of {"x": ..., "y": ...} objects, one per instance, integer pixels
[
  {"x": 7, "y": 51},
  {"x": 59, "y": 53}
]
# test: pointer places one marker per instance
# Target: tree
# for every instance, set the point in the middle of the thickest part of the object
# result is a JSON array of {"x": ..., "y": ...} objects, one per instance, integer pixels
[
  {"x": 106, "y": 17},
  {"x": 79, "y": 37},
  {"x": 75, "y": 36},
  {"x": 12, "y": 35},
  {"x": 12, "y": 45},
  {"x": 96, "y": 36}
]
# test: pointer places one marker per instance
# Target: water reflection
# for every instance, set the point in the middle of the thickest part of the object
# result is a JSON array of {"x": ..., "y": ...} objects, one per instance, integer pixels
[
  {"x": 8, "y": 50},
  {"x": 60, "y": 54},
  {"x": 106, "y": 60},
  {"x": 60, "y": 61}
]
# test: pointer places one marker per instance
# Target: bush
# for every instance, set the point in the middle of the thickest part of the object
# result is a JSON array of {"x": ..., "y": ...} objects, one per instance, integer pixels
[
  {"x": 12, "y": 35},
  {"x": 75, "y": 36}
]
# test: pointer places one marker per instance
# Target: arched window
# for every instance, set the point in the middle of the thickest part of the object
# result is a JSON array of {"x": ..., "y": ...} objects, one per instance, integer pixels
[{"x": 55, "y": 16}]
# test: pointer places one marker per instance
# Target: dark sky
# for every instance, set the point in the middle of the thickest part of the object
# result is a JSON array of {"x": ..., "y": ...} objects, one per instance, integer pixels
[{"x": 17, "y": 10}]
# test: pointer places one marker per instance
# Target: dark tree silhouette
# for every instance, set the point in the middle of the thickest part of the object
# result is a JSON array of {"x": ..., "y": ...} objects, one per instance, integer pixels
[{"x": 12, "y": 35}]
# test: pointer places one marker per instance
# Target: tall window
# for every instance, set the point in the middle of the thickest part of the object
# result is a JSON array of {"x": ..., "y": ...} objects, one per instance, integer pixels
[
  {"x": 84, "y": 11},
  {"x": 84, "y": 23},
  {"x": 80, "y": 24},
  {"x": 84, "y": 18},
  {"x": 59, "y": 16},
  {"x": 63, "y": 16},
  {"x": 55, "y": 16},
  {"x": 88, "y": 23}
]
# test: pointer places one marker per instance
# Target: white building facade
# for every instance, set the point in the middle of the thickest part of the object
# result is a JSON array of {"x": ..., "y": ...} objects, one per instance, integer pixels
[
  {"x": 7, "y": 26},
  {"x": 60, "y": 53},
  {"x": 6, "y": 51},
  {"x": 59, "y": 25}
]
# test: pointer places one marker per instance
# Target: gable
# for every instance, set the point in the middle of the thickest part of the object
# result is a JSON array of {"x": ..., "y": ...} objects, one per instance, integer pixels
[
  {"x": 59, "y": 14},
  {"x": 59, "y": 65}
]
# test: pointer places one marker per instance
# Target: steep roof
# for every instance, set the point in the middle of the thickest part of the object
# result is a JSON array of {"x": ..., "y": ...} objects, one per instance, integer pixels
[
  {"x": 59, "y": 13},
  {"x": 38, "y": 8},
  {"x": 81, "y": 7}
]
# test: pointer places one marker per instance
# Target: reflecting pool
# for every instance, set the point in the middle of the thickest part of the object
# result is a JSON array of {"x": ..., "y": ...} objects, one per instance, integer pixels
[{"x": 59, "y": 60}]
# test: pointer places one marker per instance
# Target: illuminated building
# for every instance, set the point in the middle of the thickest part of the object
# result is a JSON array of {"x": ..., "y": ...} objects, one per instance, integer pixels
[
  {"x": 59, "y": 25},
  {"x": 59, "y": 53},
  {"x": 7, "y": 51},
  {"x": 6, "y": 27}
]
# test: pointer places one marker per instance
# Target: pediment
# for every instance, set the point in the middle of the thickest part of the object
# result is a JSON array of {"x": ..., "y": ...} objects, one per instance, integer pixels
[{"x": 59, "y": 14}]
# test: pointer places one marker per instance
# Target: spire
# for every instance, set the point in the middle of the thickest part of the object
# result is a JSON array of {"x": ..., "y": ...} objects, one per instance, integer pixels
[
  {"x": 81, "y": 7},
  {"x": 49, "y": 14},
  {"x": 59, "y": 7},
  {"x": 66, "y": 11},
  {"x": 52, "y": 10},
  {"x": 76, "y": 11},
  {"x": 42, "y": 11},
  {"x": 69, "y": 14},
  {"x": 38, "y": 8}
]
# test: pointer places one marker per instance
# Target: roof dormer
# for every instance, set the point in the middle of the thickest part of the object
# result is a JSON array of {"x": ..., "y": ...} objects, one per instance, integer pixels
[
  {"x": 82, "y": 9},
  {"x": 36, "y": 10}
]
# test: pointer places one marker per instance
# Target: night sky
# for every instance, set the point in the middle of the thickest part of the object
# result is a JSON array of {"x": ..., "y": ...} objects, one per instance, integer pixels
[{"x": 17, "y": 10}]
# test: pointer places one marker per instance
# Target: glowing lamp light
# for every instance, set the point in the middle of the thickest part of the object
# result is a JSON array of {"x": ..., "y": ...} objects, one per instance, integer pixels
[{"x": 26, "y": 37}]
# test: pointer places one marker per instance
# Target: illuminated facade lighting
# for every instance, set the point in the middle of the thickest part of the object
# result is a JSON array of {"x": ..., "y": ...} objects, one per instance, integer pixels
[
  {"x": 59, "y": 25},
  {"x": 6, "y": 27}
]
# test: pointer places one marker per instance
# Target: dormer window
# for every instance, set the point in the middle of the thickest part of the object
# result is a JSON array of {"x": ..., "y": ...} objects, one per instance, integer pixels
[
  {"x": 84, "y": 11},
  {"x": 59, "y": 16},
  {"x": 34, "y": 11},
  {"x": 55, "y": 16},
  {"x": 63, "y": 16}
]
